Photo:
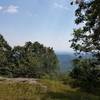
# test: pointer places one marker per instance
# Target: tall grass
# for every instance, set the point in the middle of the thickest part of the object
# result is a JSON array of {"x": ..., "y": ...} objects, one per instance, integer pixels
[
  {"x": 19, "y": 91},
  {"x": 44, "y": 90}
]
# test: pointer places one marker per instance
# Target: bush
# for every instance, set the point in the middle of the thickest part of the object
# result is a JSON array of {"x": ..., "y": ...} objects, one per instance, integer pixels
[{"x": 86, "y": 74}]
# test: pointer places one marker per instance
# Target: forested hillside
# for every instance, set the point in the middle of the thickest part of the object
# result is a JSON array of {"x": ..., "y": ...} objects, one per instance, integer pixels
[{"x": 65, "y": 60}]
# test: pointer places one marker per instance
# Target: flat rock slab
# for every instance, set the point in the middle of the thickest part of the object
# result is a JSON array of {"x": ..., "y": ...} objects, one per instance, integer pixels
[{"x": 28, "y": 80}]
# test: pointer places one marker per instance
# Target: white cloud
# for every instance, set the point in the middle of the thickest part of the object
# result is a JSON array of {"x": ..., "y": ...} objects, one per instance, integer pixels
[
  {"x": 1, "y": 8},
  {"x": 60, "y": 4},
  {"x": 11, "y": 9}
]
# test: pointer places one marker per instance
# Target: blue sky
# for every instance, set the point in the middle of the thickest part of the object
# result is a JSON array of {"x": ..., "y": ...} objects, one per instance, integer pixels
[{"x": 48, "y": 21}]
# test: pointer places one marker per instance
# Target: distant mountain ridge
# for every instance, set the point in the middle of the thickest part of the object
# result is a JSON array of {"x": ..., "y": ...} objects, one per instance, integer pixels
[{"x": 65, "y": 60}]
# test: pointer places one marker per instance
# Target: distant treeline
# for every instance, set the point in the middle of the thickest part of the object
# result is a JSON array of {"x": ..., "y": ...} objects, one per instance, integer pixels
[{"x": 30, "y": 60}]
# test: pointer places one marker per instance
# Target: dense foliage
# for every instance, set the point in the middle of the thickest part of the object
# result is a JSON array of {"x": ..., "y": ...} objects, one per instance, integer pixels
[
  {"x": 85, "y": 74},
  {"x": 30, "y": 60},
  {"x": 86, "y": 39}
]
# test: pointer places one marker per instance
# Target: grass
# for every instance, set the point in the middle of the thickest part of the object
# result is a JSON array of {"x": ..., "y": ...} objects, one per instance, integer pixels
[
  {"x": 58, "y": 91},
  {"x": 19, "y": 91},
  {"x": 43, "y": 90}
]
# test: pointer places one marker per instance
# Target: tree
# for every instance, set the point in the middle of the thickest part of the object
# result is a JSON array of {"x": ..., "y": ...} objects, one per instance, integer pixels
[
  {"x": 30, "y": 60},
  {"x": 33, "y": 60},
  {"x": 85, "y": 74},
  {"x": 18, "y": 63},
  {"x": 86, "y": 39},
  {"x": 5, "y": 51}
]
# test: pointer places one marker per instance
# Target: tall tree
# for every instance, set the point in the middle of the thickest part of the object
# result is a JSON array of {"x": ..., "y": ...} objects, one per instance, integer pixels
[
  {"x": 86, "y": 39},
  {"x": 5, "y": 51}
]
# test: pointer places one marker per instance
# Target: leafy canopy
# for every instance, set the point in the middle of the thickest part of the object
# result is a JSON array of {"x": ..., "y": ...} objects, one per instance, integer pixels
[
  {"x": 30, "y": 60},
  {"x": 86, "y": 39}
]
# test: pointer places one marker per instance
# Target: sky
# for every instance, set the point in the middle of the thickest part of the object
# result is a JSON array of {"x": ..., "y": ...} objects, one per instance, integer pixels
[{"x": 49, "y": 22}]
